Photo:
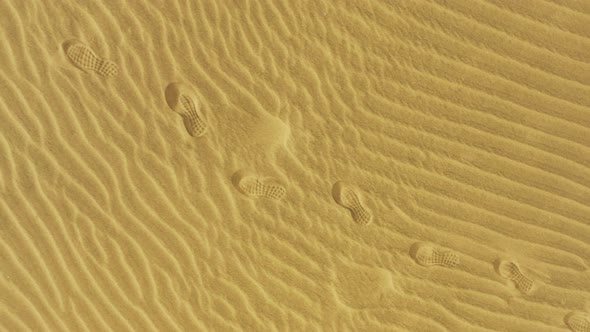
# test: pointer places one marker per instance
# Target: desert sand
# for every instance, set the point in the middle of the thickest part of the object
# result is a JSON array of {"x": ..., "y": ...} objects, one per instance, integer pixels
[{"x": 363, "y": 165}]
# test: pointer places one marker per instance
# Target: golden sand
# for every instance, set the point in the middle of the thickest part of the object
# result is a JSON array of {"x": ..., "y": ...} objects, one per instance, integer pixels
[{"x": 363, "y": 165}]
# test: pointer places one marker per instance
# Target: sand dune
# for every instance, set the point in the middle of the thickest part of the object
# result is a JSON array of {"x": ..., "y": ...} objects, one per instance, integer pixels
[{"x": 419, "y": 165}]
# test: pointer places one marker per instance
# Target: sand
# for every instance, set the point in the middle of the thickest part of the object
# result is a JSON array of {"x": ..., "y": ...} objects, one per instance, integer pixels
[{"x": 363, "y": 165}]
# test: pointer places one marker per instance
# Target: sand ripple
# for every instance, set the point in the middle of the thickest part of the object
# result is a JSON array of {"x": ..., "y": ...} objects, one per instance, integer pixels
[{"x": 465, "y": 123}]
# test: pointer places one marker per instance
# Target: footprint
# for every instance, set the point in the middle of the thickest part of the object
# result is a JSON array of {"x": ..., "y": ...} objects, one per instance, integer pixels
[
  {"x": 251, "y": 185},
  {"x": 511, "y": 271},
  {"x": 182, "y": 101},
  {"x": 578, "y": 321},
  {"x": 84, "y": 58},
  {"x": 349, "y": 197},
  {"x": 427, "y": 255}
]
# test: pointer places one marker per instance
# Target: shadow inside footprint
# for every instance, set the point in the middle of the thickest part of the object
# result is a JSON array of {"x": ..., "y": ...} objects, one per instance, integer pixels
[
  {"x": 428, "y": 255},
  {"x": 349, "y": 197},
  {"x": 578, "y": 321},
  {"x": 183, "y": 102},
  {"x": 510, "y": 270},
  {"x": 251, "y": 185},
  {"x": 84, "y": 57}
]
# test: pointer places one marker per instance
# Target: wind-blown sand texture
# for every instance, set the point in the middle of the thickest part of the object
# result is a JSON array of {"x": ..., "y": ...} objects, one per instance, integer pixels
[{"x": 462, "y": 124}]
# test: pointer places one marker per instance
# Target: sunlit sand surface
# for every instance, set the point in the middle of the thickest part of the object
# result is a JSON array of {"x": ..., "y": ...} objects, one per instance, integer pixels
[{"x": 363, "y": 165}]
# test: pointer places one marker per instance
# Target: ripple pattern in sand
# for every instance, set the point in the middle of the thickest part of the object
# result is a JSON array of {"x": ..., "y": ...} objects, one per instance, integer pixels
[{"x": 468, "y": 122}]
